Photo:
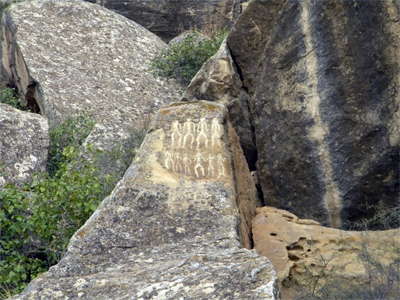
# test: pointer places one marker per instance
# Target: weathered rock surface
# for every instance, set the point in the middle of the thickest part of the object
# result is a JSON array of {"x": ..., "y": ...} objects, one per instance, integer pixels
[
  {"x": 24, "y": 142},
  {"x": 196, "y": 35},
  {"x": 324, "y": 83},
  {"x": 73, "y": 57},
  {"x": 218, "y": 80},
  {"x": 171, "y": 227},
  {"x": 169, "y": 18},
  {"x": 304, "y": 252}
]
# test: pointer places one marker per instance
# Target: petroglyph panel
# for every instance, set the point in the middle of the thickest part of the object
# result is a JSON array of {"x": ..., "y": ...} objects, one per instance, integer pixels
[{"x": 194, "y": 148}]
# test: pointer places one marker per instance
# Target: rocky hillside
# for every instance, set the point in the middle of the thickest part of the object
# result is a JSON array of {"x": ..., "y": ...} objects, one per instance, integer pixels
[
  {"x": 169, "y": 18},
  {"x": 298, "y": 111}
]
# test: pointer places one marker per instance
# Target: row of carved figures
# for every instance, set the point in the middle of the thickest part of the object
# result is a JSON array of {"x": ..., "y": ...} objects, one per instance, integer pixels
[
  {"x": 199, "y": 166},
  {"x": 192, "y": 135}
]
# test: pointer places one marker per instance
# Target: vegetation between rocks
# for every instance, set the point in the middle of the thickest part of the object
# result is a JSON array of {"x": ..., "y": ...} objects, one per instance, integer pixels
[
  {"x": 38, "y": 219},
  {"x": 182, "y": 60},
  {"x": 8, "y": 96}
]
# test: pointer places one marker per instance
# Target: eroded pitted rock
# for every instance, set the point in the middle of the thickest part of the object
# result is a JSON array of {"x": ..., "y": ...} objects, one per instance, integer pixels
[
  {"x": 73, "y": 57},
  {"x": 306, "y": 254},
  {"x": 172, "y": 226},
  {"x": 24, "y": 142}
]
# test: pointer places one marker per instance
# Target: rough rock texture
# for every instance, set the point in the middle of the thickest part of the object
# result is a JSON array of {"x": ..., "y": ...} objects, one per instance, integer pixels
[
  {"x": 169, "y": 18},
  {"x": 301, "y": 249},
  {"x": 197, "y": 36},
  {"x": 171, "y": 227},
  {"x": 72, "y": 57},
  {"x": 24, "y": 142},
  {"x": 324, "y": 80},
  {"x": 218, "y": 80}
]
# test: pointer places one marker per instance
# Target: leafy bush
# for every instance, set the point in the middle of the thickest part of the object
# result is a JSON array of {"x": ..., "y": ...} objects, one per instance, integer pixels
[
  {"x": 8, "y": 96},
  {"x": 184, "y": 59},
  {"x": 38, "y": 219},
  {"x": 70, "y": 133}
]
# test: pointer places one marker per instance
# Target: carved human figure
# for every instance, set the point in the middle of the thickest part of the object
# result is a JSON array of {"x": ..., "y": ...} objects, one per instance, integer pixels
[
  {"x": 216, "y": 132},
  {"x": 221, "y": 165},
  {"x": 168, "y": 161},
  {"x": 198, "y": 167},
  {"x": 211, "y": 166},
  {"x": 202, "y": 133},
  {"x": 187, "y": 165},
  {"x": 189, "y": 129},
  {"x": 178, "y": 163},
  {"x": 176, "y": 134}
]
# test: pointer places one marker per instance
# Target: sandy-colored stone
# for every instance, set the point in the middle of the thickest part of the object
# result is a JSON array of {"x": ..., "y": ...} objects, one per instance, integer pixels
[
  {"x": 174, "y": 225},
  {"x": 218, "y": 80},
  {"x": 24, "y": 142},
  {"x": 302, "y": 250}
]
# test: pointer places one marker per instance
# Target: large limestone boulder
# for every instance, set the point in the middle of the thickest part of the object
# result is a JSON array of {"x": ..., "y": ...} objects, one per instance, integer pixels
[
  {"x": 174, "y": 226},
  {"x": 308, "y": 256},
  {"x": 219, "y": 80},
  {"x": 323, "y": 77},
  {"x": 72, "y": 57},
  {"x": 24, "y": 142},
  {"x": 169, "y": 18}
]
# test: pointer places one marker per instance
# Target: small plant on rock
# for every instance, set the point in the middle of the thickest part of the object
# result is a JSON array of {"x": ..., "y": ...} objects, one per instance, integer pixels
[
  {"x": 8, "y": 96},
  {"x": 71, "y": 133},
  {"x": 182, "y": 60}
]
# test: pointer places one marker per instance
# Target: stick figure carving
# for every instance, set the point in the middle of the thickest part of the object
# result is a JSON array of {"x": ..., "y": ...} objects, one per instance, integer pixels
[
  {"x": 211, "y": 165},
  {"x": 176, "y": 135},
  {"x": 221, "y": 165},
  {"x": 178, "y": 163},
  {"x": 168, "y": 162},
  {"x": 189, "y": 129},
  {"x": 202, "y": 130},
  {"x": 216, "y": 132},
  {"x": 198, "y": 165},
  {"x": 187, "y": 165}
]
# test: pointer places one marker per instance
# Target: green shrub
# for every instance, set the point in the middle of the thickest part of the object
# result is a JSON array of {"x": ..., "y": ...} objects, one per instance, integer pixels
[
  {"x": 184, "y": 59},
  {"x": 38, "y": 219},
  {"x": 70, "y": 133},
  {"x": 8, "y": 96}
]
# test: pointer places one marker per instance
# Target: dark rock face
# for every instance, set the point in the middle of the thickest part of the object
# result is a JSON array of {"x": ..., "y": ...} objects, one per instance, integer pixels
[
  {"x": 169, "y": 18},
  {"x": 325, "y": 103},
  {"x": 24, "y": 142}
]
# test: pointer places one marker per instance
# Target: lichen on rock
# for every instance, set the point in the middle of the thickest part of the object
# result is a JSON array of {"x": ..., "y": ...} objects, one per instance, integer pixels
[
  {"x": 174, "y": 226},
  {"x": 24, "y": 142}
]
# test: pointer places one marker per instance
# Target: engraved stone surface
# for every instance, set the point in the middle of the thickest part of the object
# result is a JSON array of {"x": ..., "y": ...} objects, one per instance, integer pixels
[{"x": 174, "y": 226}]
